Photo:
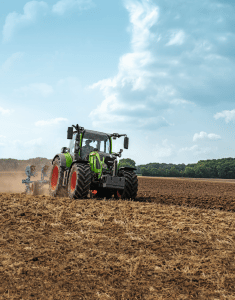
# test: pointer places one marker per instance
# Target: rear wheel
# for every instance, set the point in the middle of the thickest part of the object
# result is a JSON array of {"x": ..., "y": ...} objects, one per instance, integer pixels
[
  {"x": 79, "y": 181},
  {"x": 56, "y": 179},
  {"x": 131, "y": 186}
]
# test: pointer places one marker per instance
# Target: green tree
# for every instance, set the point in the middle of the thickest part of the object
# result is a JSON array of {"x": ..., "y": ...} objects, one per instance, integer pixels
[
  {"x": 173, "y": 172},
  {"x": 189, "y": 172},
  {"x": 126, "y": 162},
  {"x": 145, "y": 171}
]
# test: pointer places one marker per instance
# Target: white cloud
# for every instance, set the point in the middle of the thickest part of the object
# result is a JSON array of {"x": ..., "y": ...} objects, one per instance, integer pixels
[
  {"x": 50, "y": 122},
  {"x": 205, "y": 136},
  {"x": 14, "y": 20},
  {"x": 143, "y": 15},
  {"x": 62, "y": 6},
  {"x": 228, "y": 115},
  {"x": 7, "y": 65},
  {"x": 4, "y": 111},
  {"x": 38, "y": 88},
  {"x": 177, "y": 38},
  {"x": 2, "y": 137}
]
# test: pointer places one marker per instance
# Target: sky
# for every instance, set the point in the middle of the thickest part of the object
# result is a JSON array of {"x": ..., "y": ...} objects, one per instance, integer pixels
[{"x": 162, "y": 72}]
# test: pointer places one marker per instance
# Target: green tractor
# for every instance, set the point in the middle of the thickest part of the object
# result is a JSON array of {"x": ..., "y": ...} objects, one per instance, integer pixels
[{"x": 88, "y": 167}]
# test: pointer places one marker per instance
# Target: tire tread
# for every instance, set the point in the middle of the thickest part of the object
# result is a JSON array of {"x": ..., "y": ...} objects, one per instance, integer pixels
[
  {"x": 131, "y": 185},
  {"x": 82, "y": 187}
]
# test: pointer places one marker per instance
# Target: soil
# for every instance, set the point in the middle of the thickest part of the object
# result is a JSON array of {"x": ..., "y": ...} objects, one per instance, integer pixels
[
  {"x": 201, "y": 193},
  {"x": 176, "y": 241}
]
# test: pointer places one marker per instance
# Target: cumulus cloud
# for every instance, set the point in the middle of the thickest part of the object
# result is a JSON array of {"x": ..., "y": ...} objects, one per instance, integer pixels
[
  {"x": 50, "y": 122},
  {"x": 228, "y": 115},
  {"x": 38, "y": 88},
  {"x": 4, "y": 111},
  {"x": 206, "y": 136},
  {"x": 143, "y": 15},
  {"x": 14, "y": 21},
  {"x": 177, "y": 57},
  {"x": 62, "y": 6}
]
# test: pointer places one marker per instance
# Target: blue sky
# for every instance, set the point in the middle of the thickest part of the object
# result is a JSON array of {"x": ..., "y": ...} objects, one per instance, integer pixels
[{"x": 161, "y": 71}]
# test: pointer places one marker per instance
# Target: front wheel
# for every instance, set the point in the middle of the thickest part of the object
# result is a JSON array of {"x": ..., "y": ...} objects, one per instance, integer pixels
[
  {"x": 79, "y": 181},
  {"x": 131, "y": 186}
]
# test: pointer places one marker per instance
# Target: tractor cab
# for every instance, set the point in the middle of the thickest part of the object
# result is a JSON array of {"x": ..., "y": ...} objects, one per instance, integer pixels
[{"x": 90, "y": 141}]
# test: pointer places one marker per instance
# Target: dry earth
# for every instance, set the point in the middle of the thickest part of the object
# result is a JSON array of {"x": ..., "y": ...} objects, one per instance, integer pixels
[{"x": 176, "y": 241}]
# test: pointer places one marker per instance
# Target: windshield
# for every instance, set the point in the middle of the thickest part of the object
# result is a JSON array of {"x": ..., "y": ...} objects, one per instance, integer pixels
[{"x": 92, "y": 140}]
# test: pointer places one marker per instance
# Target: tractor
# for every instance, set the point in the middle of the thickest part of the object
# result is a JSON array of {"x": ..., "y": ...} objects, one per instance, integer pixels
[{"x": 89, "y": 168}]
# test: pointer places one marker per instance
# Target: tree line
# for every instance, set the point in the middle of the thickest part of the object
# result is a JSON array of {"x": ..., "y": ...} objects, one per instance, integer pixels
[{"x": 211, "y": 168}]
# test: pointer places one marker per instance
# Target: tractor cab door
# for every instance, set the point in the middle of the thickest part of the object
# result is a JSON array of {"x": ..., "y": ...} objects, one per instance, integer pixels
[{"x": 72, "y": 143}]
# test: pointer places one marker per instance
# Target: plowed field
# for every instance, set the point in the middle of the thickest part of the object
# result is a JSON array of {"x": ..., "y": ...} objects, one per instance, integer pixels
[{"x": 176, "y": 241}]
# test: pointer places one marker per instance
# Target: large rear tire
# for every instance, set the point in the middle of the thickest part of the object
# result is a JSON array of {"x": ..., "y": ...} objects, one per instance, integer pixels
[
  {"x": 79, "y": 181},
  {"x": 131, "y": 186},
  {"x": 56, "y": 179}
]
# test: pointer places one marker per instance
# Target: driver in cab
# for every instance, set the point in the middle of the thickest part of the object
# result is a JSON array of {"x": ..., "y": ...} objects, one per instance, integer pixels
[{"x": 87, "y": 149}]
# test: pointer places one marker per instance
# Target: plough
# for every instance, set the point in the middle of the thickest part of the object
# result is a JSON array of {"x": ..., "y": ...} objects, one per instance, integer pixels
[{"x": 33, "y": 187}]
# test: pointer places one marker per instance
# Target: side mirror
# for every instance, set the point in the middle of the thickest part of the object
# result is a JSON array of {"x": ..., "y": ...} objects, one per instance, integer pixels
[
  {"x": 126, "y": 142},
  {"x": 70, "y": 133}
]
